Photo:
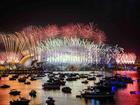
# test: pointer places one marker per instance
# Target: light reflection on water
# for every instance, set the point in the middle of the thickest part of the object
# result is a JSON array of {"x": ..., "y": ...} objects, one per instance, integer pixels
[{"x": 122, "y": 97}]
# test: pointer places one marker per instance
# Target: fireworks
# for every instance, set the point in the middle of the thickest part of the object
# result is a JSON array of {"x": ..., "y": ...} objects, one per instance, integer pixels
[
  {"x": 75, "y": 51},
  {"x": 16, "y": 44},
  {"x": 70, "y": 30},
  {"x": 51, "y": 31},
  {"x": 72, "y": 43},
  {"x": 126, "y": 58},
  {"x": 10, "y": 57}
]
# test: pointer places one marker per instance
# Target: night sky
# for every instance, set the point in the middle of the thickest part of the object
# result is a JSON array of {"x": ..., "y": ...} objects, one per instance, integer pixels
[{"x": 119, "y": 19}]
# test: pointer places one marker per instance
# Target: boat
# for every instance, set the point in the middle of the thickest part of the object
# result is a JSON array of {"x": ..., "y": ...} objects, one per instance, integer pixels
[
  {"x": 33, "y": 78},
  {"x": 91, "y": 78},
  {"x": 4, "y": 75},
  {"x": 20, "y": 101},
  {"x": 83, "y": 75},
  {"x": 51, "y": 86},
  {"x": 85, "y": 82},
  {"x": 12, "y": 78},
  {"x": 118, "y": 84},
  {"x": 60, "y": 82},
  {"x": 15, "y": 76},
  {"x": 97, "y": 92},
  {"x": 14, "y": 92},
  {"x": 50, "y": 101},
  {"x": 127, "y": 79},
  {"x": 27, "y": 82},
  {"x": 66, "y": 89},
  {"x": 134, "y": 92},
  {"x": 78, "y": 96},
  {"x": 57, "y": 81},
  {"x": 22, "y": 79},
  {"x": 71, "y": 79},
  {"x": 61, "y": 76},
  {"x": 99, "y": 75},
  {"x": 4, "y": 86},
  {"x": 123, "y": 78},
  {"x": 41, "y": 75},
  {"x": 32, "y": 93}
]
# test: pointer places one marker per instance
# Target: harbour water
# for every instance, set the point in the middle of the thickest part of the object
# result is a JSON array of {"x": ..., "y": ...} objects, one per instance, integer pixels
[{"x": 122, "y": 96}]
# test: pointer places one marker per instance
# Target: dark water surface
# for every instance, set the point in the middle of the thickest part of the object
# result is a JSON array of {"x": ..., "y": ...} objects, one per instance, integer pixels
[{"x": 122, "y": 96}]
